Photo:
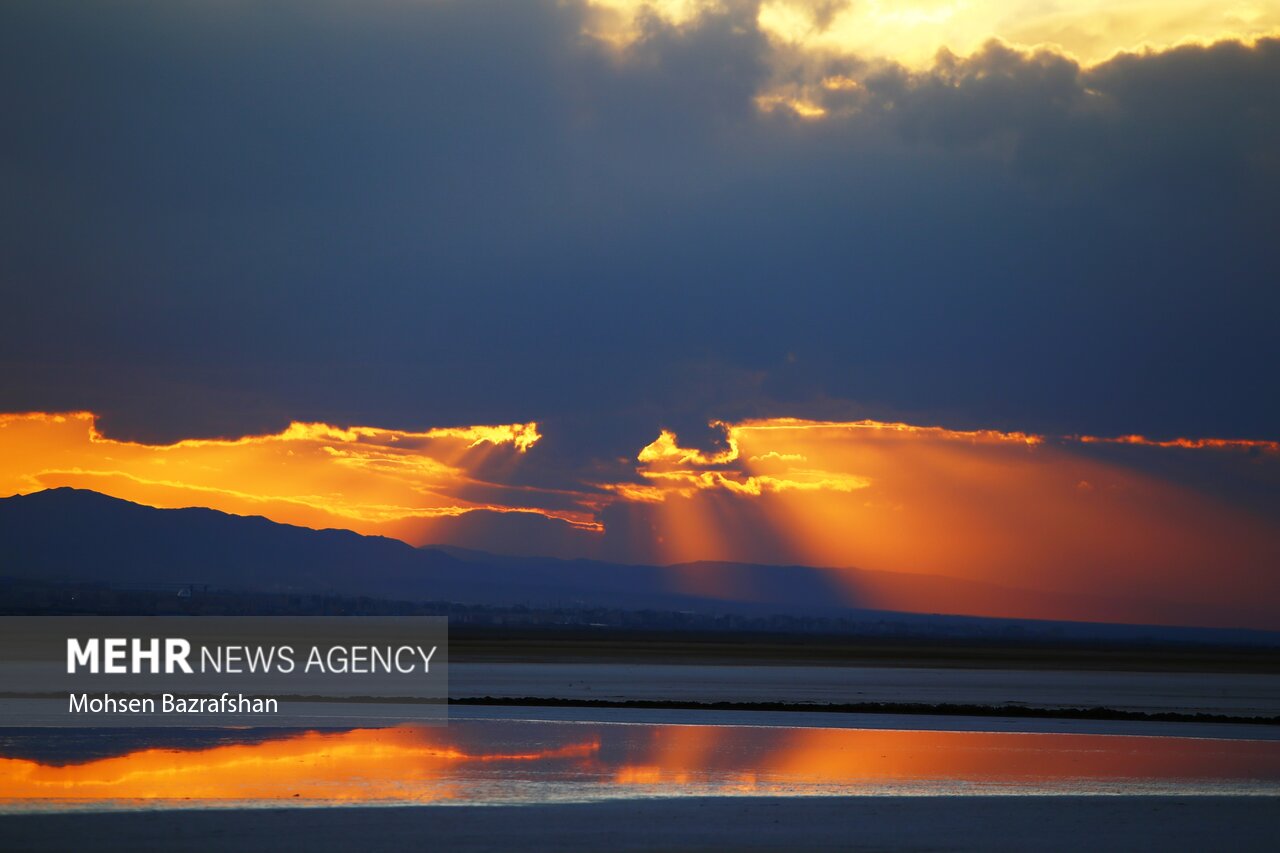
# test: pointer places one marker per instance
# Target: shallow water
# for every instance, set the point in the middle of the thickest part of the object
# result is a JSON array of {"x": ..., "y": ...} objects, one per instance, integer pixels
[{"x": 525, "y": 761}]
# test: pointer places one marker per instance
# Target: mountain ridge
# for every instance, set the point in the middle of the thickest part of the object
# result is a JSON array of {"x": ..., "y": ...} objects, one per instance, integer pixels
[{"x": 117, "y": 541}]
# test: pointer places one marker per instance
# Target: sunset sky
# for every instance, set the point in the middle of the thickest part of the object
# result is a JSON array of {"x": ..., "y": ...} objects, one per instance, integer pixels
[{"x": 984, "y": 290}]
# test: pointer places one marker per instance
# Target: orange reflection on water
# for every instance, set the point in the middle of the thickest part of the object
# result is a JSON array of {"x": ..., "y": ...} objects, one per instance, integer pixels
[
  {"x": 855, "y": 759},
  {"x": 533, "y": 761},
  {"x": 365, "y": 764},
  {"x": 861, "y": 756}
]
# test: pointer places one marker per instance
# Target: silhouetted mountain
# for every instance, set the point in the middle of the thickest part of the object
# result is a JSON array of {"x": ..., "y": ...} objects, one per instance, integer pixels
[{"x": 79, "y": 536}]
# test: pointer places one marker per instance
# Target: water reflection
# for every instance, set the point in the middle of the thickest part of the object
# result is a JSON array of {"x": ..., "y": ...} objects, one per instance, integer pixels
[{"x": 514, "y": 761}]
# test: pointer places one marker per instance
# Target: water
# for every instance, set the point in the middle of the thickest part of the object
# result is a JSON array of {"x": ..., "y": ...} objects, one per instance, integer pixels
[{"x": 492, "y": 761}]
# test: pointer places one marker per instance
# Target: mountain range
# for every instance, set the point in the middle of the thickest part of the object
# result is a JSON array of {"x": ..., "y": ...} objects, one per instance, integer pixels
[{"x": 80, "y": 536}]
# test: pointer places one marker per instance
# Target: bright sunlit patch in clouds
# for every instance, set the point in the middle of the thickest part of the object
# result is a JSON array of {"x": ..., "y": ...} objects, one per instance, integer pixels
[
  {"x": 1091, "y": 31},
  {"x": 1107, "y": 521},
  {"x": 684, "y": 471},
  {"x": 796, "y": 103},
  {"x": 911, "y": 33},
  {"x": 366, "y": 479},
  {"x": 1008, "y": 509},
  {"x": 820, "y": 53}
]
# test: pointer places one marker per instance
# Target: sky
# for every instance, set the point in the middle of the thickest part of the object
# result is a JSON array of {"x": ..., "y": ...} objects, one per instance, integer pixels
[{"x": 846, "y": 284}]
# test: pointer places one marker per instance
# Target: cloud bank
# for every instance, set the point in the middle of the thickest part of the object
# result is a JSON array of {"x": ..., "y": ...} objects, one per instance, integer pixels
[
  {"x": 1011, "y": 510},
  {"x": 220, "y": 219},
  {"x": 224, "y": 219}
]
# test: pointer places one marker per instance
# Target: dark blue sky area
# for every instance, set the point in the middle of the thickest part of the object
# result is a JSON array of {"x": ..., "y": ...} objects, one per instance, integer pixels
[{"x": 219, "y": 217}]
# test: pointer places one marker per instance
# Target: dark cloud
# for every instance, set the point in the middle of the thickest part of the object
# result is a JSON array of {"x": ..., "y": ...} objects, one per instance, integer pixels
[{"x": 219, "y": 217}]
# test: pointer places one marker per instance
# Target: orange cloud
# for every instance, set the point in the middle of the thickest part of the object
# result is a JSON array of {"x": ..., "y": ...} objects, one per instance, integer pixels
[
  {"x": 817, "y": 47},
  {"x": 366, "y": 479},
  {"x": 912, "y": 32},
  {"x": 1005, "y": 509},
  {"x": 1187, "y": 443},
  {"x": 666, "y": 448}
]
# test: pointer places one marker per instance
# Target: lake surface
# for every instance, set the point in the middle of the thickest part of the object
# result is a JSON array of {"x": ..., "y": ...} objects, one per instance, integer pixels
[{"x": 505, "y": 761}]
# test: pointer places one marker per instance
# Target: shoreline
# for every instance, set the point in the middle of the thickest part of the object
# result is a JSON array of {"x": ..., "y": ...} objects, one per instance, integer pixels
[{"x": 944, "y": 709}]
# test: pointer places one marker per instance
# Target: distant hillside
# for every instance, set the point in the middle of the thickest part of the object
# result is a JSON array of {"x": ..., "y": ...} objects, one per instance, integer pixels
[
  {"x": 73, "y": 535},
  {"x": 78, "y": 535}
]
